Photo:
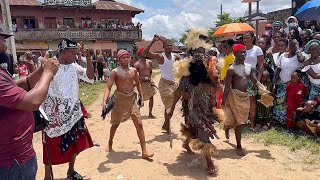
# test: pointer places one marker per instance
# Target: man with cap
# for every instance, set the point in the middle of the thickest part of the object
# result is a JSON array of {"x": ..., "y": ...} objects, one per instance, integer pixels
[
  {"x": 125, "y": 105},
  {"x": 144, "y": 68},
  {"x": 66, "y": 134},
  {"x": 17, "y": 101},
  {"x": 167, "y": 85},
  {"x": 236, "y": 102}
]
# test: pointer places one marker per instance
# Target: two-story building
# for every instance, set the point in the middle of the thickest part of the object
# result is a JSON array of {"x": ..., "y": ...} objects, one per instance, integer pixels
[{"x": 105, "y": 24}]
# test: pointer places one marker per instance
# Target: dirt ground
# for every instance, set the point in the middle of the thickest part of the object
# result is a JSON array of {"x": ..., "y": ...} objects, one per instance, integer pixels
[{"x": 261, "y": 162}]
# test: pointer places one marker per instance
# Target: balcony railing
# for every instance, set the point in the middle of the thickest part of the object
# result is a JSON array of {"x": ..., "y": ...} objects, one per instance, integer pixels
[{"x": 78, "y": 34}]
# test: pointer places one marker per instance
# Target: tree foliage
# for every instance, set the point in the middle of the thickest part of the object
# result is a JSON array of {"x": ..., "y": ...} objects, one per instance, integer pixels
[{"x": 223, "y": 19}]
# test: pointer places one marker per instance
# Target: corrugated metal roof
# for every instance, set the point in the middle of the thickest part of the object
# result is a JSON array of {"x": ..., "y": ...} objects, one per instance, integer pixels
[
  {"x": 113, "y": 5},
  {"x": 101, "y": 4},
  {"x": 24, "y": 3}
]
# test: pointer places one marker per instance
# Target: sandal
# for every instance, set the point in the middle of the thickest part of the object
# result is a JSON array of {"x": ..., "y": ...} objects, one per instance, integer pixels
[{"x": 74, "y": 176}]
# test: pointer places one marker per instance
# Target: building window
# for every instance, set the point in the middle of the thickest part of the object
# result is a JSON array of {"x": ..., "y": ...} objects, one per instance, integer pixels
[
  {"x": 25, "y": 22},
  {"x": 86, "y": 23},
  {"x": 29, "y": 22},
  {"x": 68, "y": 22},
  {"x": 50, "y": 22},
  {"x": 109, "y": 23}
]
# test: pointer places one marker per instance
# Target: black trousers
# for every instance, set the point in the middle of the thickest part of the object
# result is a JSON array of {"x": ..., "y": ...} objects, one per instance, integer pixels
[{"x": 100, "y": 71}]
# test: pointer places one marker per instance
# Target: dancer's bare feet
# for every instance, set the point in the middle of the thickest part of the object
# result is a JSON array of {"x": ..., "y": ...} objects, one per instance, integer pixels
[
  {"x": 147, "y": 156},
  {"x": 151, "y": 116},
  {"x": 226, "y": 131},
  {"x": 165, "y": 129},
  {"x": 240, "y": 151},
  {"x": 110, "y": 147}
]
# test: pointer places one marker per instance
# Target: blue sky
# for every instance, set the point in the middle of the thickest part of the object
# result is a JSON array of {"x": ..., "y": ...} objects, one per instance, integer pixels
[{"x": 170, "y": 18}]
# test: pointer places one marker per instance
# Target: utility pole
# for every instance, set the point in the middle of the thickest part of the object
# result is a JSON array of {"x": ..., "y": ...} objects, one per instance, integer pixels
[{"x": 7, "y": 23}]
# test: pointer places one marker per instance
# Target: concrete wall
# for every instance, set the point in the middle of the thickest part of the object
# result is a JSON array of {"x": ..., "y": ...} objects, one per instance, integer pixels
[
  {"x": 125, "y": 45},
  {"x": 280, "y": 15}
]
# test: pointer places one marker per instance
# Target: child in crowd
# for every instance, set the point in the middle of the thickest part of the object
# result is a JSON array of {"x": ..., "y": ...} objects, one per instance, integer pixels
[
  {"x": 308, "y": 118},
  {"x": 295, "y": 93},
  {"x": 265, "y": 113},
  {"x": 22, "y": 69}
]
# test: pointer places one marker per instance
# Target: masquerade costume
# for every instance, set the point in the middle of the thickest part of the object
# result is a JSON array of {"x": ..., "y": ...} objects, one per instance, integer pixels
[
  {"x": 198, "y": 101},
  {"x": 66, "y": 130}
]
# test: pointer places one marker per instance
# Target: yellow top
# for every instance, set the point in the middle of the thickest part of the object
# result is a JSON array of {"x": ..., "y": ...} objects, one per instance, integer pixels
[{"x": 227, "y": 62}]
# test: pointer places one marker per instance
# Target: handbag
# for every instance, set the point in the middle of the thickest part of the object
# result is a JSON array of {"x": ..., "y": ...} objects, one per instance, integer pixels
[{"x": 40, "y": 120}]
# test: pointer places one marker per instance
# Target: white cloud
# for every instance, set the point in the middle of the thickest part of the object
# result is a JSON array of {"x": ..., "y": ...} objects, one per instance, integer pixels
[
  {"x": 180, "y": 15},
  {"x": 184, "y": 14}
]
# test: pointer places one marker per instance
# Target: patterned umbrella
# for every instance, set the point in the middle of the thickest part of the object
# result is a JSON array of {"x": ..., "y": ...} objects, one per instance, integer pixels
[
  {"x": 309, "y": 11},
  {"x": 233, "y": 29}
]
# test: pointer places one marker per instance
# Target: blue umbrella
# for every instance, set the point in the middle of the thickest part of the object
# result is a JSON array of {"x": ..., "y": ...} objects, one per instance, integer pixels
[{"x": 309, "y": 11}]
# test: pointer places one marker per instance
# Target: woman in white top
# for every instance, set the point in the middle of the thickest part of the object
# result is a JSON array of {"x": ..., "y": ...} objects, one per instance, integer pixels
[
  {"x": 254, "y": 57},
  {"x": 273, "y": 58},
  {"x": 312, "y": 68},
  {"x": 288, "y": 63}
]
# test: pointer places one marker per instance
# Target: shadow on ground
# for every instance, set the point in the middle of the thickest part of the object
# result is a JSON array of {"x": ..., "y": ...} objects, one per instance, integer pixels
[
  {"x": 231, "y": 153},
  {"x": 164, "y": 137},
  {"x": 182, "y": 167},
  {"x": 117, "y": 158}
]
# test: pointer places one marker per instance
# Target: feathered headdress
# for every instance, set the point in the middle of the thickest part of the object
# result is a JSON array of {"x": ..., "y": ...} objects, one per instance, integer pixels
[
  {"x": 196, "y": 38},
  {"x": 195, "y": 41}
]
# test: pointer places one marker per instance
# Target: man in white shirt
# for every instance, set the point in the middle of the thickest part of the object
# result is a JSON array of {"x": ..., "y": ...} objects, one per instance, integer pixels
[{"x": 167, "y": 84}]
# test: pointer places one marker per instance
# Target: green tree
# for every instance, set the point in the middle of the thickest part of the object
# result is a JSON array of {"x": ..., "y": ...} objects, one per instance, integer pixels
[{"x": 224, "y": 18}]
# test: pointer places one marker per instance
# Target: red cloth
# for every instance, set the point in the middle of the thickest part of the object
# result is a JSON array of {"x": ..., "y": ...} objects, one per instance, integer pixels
[
  {"x": 82, "y": 143},
  {"x": 22, "y": 70},
  {"x": 16, "y": 126},
  {"x": 140, "y": 50},
  {"x": 237, "y": 47},
  {"x": 219, "y": 96},
  {"x": 84, "y": 110},
  {"x": 295, "y": 93}
]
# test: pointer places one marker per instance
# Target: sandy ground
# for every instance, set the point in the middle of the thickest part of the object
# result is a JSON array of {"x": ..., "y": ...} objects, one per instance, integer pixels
[{"x": 261, "y": 162}]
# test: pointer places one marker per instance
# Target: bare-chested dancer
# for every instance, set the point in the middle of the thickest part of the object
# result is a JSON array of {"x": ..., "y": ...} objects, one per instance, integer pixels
[
  {"x": 236, "y": 102},
  {"x": 126, "y": 78},
  {"x": 144, "y": 67}
]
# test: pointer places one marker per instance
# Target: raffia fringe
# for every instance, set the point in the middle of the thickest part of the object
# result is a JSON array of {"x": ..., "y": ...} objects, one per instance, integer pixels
[
  {"x": 220, "y": 114},
  {"x": 206, "y": 149}
]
